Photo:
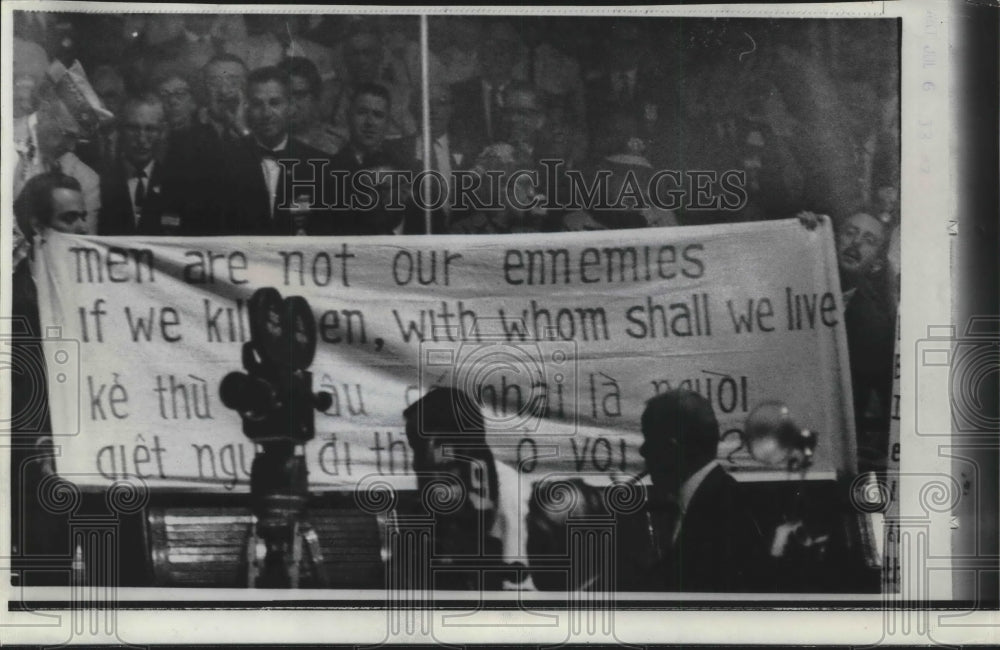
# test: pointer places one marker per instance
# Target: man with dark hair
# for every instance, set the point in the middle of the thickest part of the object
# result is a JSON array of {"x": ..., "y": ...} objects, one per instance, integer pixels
[
  {"x": 49, "y": 202},
  {"x": 870, "y": 321},
  {"x": 132, "y": 192},
  {"x": 275, "y": 182},
  {"x": 368, "y": 121},
  {"x": 364, "y": 54},
  {"x": 706, "y": 536},
  {"x": 308, "y": 126},
  {"x": 225, "y": 79},
  {"x": 365, "y": 151},
  {"x": 176, "y": 89},
  {"x": 446, "y": 431},
  {"x": 522, "y": 118},
  {"x": 199, "y": 156}
]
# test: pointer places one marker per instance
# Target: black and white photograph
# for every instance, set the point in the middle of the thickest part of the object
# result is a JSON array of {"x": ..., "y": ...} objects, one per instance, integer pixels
[{"x": 411, "y": 309}]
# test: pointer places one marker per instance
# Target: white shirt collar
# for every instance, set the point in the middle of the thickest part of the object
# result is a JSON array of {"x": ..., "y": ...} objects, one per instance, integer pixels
[
  {"x": 280, "y": 146},
  {"x": 691, "y": 485},
  {"x": 147, "y": 170},
  {"x": 849, "y": 294}
]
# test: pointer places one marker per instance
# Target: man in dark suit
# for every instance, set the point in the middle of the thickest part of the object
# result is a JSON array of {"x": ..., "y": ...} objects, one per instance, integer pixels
[
  {"x": 365, "y": 152},
  {"x": 479, "y": 101},
  {"x": 199, "y": 156},
  {"x": 133, "y": 196},
  {"x": 707, "y": 538},
  {"x": 627, "y": 83},
  {"x": 449, "y": 154},
  {"x": 869, "y": 320},
  {"x": 49, "y": 202},
  {"x": 276, "y": 184}
]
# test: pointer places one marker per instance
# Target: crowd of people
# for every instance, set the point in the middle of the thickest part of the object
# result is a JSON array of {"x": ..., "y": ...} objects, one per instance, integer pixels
[
  {"x": 188, "y": 113},
  {"x": 206, "y": 124},
  {"x": 231, "y": 124}
]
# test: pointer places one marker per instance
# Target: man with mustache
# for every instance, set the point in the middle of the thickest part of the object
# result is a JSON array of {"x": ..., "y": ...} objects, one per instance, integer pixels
[
  {"x": 51, "y": 202},
  {"x": 869, "y": 319}
]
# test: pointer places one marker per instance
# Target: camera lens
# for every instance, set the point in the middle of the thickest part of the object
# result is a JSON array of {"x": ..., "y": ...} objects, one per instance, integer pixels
[{"x": 251, "y": 397}]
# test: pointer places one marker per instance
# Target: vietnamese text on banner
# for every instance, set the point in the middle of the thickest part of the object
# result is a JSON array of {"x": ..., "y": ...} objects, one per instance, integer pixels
[{"x": 561, "y": 339}]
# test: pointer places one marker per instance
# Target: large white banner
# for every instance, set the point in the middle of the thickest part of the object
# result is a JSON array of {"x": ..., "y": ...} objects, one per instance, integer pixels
[{"x": 562, "y": 337}]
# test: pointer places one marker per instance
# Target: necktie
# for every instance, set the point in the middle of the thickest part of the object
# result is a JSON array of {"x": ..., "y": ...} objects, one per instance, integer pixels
[{"x": 140, "y": 190}]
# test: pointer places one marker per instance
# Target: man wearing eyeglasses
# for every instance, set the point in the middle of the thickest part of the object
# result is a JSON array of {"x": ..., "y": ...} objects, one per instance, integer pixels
[
  {"x": 132, "y": 193},
  {"x": 305, "y": 87},
  {"x": 179, "y": 104}
]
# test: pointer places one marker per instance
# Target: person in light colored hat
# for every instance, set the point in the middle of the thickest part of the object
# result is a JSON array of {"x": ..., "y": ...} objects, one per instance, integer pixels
[
  {"x": 30, "y": 63},
  {"x": 44, "y": 141}
]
